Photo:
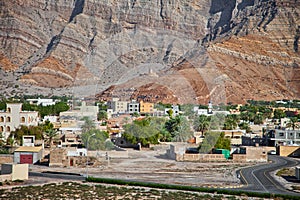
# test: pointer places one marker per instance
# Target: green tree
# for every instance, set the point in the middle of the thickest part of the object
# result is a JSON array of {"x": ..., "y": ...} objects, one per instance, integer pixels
[
  {"x": 188, "y": 111},
  {"x": 165, "y": 136},
  {"x": 135, "y": 114},
  {"x": 96, "y": 142},
  {"x": 245, "y": 126},
  {"x": 293, "y": 123},
  {"x": 278, "y": 114},
  {"x": 145, "y": 131},
  {"x": 183, "y": 132},
  {"x": 209, "y": 142},
  {"x": 37, "y": 131},
  {"x": 172, "y": 125},
  {"x": 51, "y": 134},
  {"x": 231, "y": 122},
  {"x": 102, "y": 115},
  {"x": 222, "y": 142},
  {"x": 258, "y": 118},
  {"x": 88, "y": 125},
  {"x": 201, "y": 124},
  {"x": 217, "y": 121}
]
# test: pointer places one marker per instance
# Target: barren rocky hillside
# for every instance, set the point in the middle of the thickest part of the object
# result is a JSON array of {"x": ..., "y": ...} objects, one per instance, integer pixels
[{"x": 172, "y": 51}]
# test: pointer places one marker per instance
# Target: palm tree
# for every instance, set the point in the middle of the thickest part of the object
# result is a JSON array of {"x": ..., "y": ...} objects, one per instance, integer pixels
[
  {"x": 231, "y": 122},
  {"x": 293, "y": 123},
  {"x": 51, "y": 133},
  {"x": 202, "y": 124}
]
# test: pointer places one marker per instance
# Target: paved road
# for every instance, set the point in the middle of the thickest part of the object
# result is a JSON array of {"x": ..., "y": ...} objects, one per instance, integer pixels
[
  {"x": 66, "y": 176},
  {"x": 259, "y": 179}
]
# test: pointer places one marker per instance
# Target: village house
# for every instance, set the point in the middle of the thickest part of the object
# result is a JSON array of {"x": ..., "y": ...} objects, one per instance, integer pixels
[
  {"x": 14, "y": 117},
  {"x": 175, "y": 110},
  {"x": 285, "y": 137},
  {"x": 146, "y": 107},
  {"x": 82, "y": 111},
  {"x": 117, "y": 106},
  {"x": 42, "y": 102},
  {"x": 133, "y": 107}
]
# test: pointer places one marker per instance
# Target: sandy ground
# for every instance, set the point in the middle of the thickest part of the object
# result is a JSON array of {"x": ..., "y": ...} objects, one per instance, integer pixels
[{"x": 154, "y": 166}]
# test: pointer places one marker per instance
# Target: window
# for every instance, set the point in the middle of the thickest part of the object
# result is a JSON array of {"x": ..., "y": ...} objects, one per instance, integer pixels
[
  {"x": 22, "y": 119},
  {"x": 1, "y": 119},
  {"x": 9, "y": 109},
  {"x": 281, "y": 134},
  {"x": 8, "y": 119},
  {"x": 8, "y": 128},
  {"x": 1, "y": 129}
]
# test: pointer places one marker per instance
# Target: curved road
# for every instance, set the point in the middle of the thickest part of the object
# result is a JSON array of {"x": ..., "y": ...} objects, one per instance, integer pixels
[{"x": 259, "y": 179}]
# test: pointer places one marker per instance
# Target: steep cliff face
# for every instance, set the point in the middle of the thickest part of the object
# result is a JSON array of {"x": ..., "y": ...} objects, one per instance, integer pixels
[{"x": 165, "y": 50}]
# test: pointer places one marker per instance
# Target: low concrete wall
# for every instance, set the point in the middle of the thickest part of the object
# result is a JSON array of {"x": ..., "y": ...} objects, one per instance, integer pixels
[
  {"x": 201, "y": 157},
  {"x": 111, "y": 154},
  {"x": 6, "y": 158},
  {"x": 289, "y": 151}
]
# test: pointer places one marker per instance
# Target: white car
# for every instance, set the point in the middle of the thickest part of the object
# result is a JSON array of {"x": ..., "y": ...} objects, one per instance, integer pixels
[{"x": 272, "y": 152}]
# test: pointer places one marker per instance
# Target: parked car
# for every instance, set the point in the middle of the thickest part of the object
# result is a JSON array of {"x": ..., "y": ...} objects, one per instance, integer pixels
[{"x": 272, "y": 152}]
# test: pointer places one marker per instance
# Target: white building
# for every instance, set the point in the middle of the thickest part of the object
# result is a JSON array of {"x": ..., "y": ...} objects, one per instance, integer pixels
[
  {"x": 42, "y": 102},
  {"x": 133, "y": 107},
  {"x": 175, "y": 109},
  {"x": 286, "y": 137},
  {"x": 14, "y": 117}
]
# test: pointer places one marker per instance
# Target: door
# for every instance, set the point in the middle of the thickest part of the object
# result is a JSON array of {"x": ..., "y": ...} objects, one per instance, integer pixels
[{"x": 26, "y": 159}]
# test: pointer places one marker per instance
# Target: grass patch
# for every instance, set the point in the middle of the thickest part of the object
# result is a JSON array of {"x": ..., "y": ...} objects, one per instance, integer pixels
[{"x": 286, "y": 172}]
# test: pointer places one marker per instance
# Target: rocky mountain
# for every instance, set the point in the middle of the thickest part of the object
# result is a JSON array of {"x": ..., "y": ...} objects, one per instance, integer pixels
[{"x": 171, "y": 51}]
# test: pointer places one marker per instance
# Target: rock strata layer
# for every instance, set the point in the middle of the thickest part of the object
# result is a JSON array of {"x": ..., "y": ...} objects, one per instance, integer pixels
[{"x": 172, "y": 51}]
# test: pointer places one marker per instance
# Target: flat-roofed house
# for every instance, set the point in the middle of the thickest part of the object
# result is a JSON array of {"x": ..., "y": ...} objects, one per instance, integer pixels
[{"x": 13, "y": 117}]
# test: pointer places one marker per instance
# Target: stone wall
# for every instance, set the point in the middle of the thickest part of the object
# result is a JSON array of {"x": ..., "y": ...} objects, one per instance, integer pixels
[
  {"x": 256, "y": 154},
  {"x": 58, "y": 157},
  {"x": 239, "y": 157},
  {"x": 6, "y": 158}
]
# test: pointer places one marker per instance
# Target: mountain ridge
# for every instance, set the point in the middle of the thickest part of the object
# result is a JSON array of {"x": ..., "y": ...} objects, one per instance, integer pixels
[{"x": 188, "y": 51}]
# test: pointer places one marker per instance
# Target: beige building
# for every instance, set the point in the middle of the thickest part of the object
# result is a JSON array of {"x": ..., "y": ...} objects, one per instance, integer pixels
[
  {"x": 146, "y": 107},
  {"x": 117, "y": 106},
  {"x": 14, "y": 117},
  {"x": 82, "y": 111}
]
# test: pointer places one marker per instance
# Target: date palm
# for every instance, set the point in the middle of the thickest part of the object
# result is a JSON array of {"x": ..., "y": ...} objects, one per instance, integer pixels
[{"x": 202, "y": 124}]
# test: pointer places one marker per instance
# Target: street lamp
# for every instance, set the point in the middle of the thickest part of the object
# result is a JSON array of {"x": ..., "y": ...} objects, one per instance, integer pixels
[{"x": 87, "y": 142}]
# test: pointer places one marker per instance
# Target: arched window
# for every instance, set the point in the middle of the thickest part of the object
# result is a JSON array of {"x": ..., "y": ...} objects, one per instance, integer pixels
[
  {"x": 22, "y": 119},
  {"x": 1, "y": 129},
  {"x": 1, "y": 119},
  {"x": 8, "y": 128},
  {"x": 9, "y": 109},
  {"x": 7, "y": 119}
]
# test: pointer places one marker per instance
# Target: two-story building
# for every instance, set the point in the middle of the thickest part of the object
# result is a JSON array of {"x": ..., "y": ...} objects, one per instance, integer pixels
[
  {"x": 285, "y": 137},
  {"x": 14, "y": 117},
  {"x": 117, "y": 106},
  {"x": 146, "y": 107},
  {"x": 133, "y": 107}
]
